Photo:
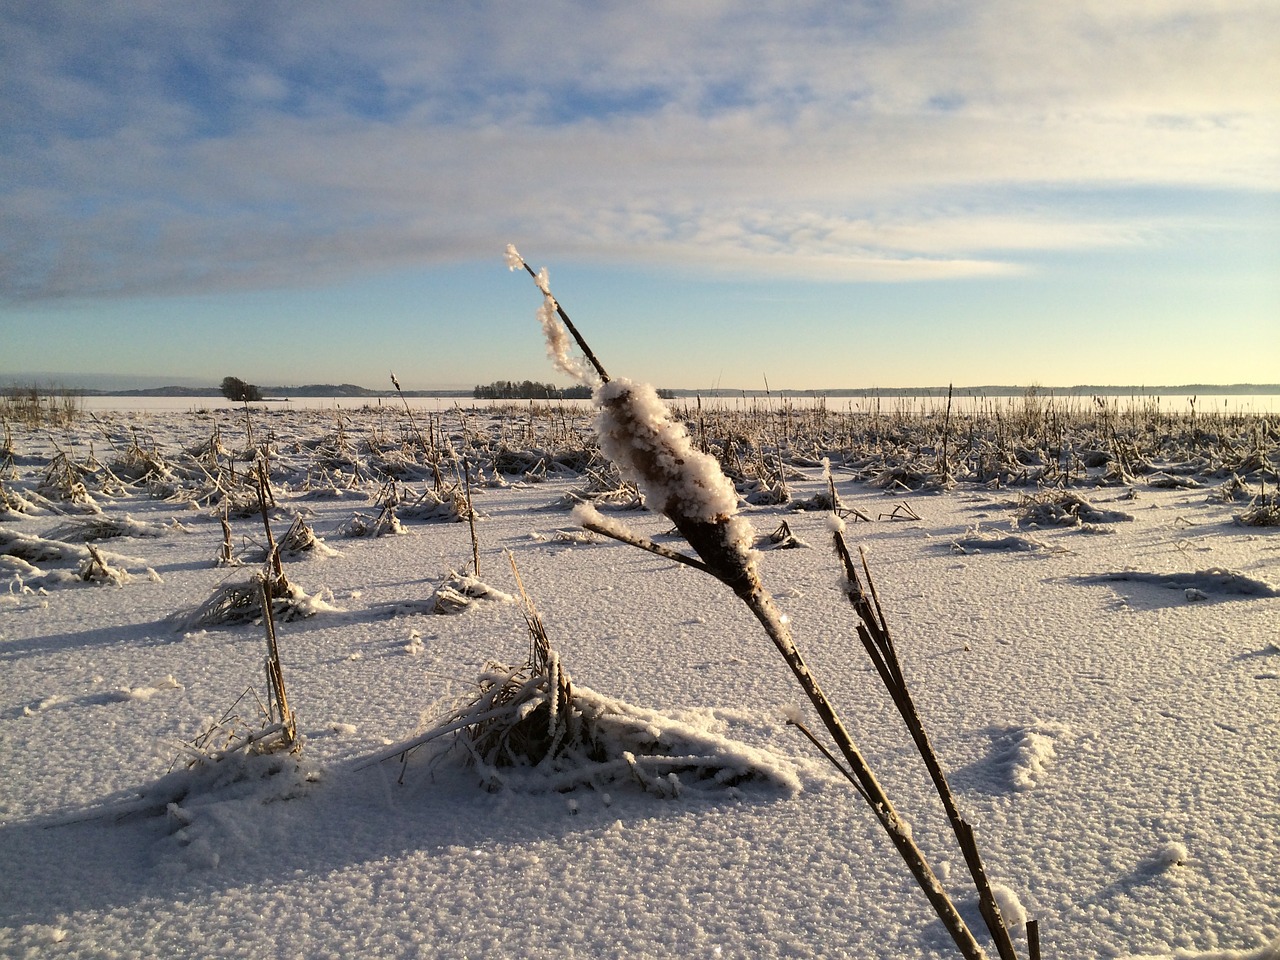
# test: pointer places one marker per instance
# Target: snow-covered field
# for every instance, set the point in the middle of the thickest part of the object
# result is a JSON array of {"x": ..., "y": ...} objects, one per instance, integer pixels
[{"x": 1104, "y": 694}]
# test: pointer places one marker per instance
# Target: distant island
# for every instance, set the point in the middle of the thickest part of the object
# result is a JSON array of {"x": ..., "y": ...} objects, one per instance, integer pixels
[
  {"x": 543, "y": 391},
  {"x": 276, "y": 393},
  {"x": 993, "y": 390}
]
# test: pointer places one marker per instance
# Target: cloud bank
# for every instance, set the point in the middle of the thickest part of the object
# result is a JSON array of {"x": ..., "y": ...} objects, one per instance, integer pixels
[{"x": 154, "y": 148}]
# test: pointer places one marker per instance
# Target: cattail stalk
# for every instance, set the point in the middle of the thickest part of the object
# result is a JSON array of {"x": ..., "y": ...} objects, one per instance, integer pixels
[{"x": 637, "y": 432}]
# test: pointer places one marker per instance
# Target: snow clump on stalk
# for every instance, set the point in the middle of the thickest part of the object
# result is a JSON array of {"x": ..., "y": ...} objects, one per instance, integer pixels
[
  {"x": 637, "y": 433},
  {"x": 559, "y": 344},
  {"x": 558, "y": 341}
]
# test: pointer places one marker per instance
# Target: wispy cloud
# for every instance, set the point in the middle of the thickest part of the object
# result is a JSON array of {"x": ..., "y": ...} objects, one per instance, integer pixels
[{"x": 163, "y": 148}]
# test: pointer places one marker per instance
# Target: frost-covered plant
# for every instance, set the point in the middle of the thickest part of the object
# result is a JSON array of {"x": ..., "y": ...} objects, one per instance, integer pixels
[
  {"x": 64, "y": 482},
  {"x": 300, "y": 539},
  {"x": 97, "y": 569},
  {"x": 104, "y": 528},
  {"x": 386, "y": 523},
  {"x": 458, "y": 591},
  {"x": 21, "y": 552},
  {"x": 448, "y": 506},
  {"x": 1263, "y": 511},
  {"x": 241, "y": 602},
  {"x": 13, "y": 503},
  {"x": 637, "y": 432},
  {"x": 1065, "y": 509},
  {"x": 530, "y": 728}
]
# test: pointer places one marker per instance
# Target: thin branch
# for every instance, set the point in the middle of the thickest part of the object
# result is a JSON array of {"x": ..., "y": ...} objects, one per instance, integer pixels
[
  {"x": 876, "y": 639},
  {"x": 564, "y": 317},
  {"x": 644, "y": 543},
  {"x": 831, "y": 757}
]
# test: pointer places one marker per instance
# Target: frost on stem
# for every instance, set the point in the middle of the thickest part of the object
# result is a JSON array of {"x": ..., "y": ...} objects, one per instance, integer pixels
[
  {"x": 637, "y": 433},
  {"x": 514, "y": 260},
  {"x": 559, "y": 343}
]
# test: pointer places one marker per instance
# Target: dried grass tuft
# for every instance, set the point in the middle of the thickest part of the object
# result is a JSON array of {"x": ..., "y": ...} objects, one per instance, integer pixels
[
  {"x": 531, "y": 729},
  {"x": 64, "y": 482},
  {"x": 14, "y": 504},
  {"x": 431, "y": 507},
  {"x": 1063, "y": 508},
  {"x": 1232, "y": 490},
  {"x": 781, "y": 539},
  {"x": 96, "y": 569},
  {"x": 386, "y": 523},
  {"x": 241, "y": 602},
  {"x": 459, "y": 591},
  {"x": 91, "y": 529},
  {"x": 301, "y": 539},
  {"x": 1263, "y": 511}
]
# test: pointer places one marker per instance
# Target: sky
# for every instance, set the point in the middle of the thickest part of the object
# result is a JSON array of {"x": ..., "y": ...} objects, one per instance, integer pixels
[{"x": 803, "y": 194}]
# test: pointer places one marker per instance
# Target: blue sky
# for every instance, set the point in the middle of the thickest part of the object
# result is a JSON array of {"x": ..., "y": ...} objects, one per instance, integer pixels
[{"x": 820, "y": 194}]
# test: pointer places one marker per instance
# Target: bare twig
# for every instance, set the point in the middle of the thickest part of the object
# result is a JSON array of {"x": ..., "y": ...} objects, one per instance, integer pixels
[
  {"x": 873, "y": 631},
  {"x": 275, "y": 673},
  {"x": 703, "y": 508}
]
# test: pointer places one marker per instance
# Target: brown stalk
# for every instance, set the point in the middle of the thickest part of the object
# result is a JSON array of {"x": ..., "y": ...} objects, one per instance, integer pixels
[
  {"x": 273, "y": 552},
  {"x": 724, "y": 559},
  {"x": 275, "y": 674},
  {"x": 226, "y": 555},
  {"x": 878, "y": 642},
  {"x": 564, "y": 317},
  {"x": 471, "y": 517}
]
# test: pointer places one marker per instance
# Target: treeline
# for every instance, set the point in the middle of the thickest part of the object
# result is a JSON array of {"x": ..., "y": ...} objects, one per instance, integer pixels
[{"x": 529, "y": 390}]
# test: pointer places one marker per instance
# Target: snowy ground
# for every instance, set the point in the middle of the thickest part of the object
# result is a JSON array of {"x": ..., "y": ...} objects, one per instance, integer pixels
[{"x": 1106, "y": 705}]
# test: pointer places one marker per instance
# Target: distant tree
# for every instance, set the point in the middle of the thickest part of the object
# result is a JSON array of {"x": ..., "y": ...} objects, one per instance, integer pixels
[
  {"x": 509, "y": 390},
  {"x": 532, "y": 390},
  {"x": 233, "y": 388}
]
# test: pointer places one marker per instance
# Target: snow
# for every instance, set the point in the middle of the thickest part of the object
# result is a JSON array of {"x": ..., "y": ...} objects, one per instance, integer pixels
[
  {"x": 637, "y": 432},
  {"x": 1112, "y": 743},
  {"x": 559, "y": 344}
]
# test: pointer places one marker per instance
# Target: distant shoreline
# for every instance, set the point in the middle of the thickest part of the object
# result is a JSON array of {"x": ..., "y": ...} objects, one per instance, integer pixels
[{"x": 282, "y": 393}]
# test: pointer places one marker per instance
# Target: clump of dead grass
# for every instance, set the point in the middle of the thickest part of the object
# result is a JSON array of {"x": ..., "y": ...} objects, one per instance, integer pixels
[
  {"x": 1263, "y": 511},
  {"x": 529, "y": 728},
  {"x": 301, "y": 540},
  {"x": 240, "y": 602},
  {"x": 385, "y": 523},
  {"x": 1063, "y": 508}
]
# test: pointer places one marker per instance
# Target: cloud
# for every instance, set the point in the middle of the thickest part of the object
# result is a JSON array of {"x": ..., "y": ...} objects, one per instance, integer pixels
[{"x": 158, "y": 148}]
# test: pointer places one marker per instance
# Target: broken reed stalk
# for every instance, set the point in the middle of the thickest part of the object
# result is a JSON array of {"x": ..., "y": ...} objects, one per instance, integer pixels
[
  {"x": 1033, "y": 939},
  {"x": 428, "y": 452},
  {"x": 273, "y": 552},
  {"x": 842, "y": 510},
  {"x": 96, "y": 558},
  {"x": 471, "y": 517},
  {"x": 944, "y": 465},
  {"x": 691, "y": 490},
  {"x": 568, "y": 325},
  {"x": 876, "y": 639},
  {"x": 248, "y": 424},
  {"x": 275, "y": 673}
]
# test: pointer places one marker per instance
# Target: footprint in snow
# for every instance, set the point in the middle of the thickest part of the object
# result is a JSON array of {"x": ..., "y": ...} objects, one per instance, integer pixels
[
  {"x": 1024, "y": 754},
  {"x": 1214, "y": 583}
]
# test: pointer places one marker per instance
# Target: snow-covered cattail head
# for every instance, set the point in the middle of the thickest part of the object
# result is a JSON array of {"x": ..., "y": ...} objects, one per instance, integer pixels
[{"x": 637, "y": 433}]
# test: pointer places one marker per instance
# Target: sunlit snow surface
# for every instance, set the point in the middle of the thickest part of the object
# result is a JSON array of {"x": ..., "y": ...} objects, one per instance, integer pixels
[{"x": 1113, "y": 742}]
